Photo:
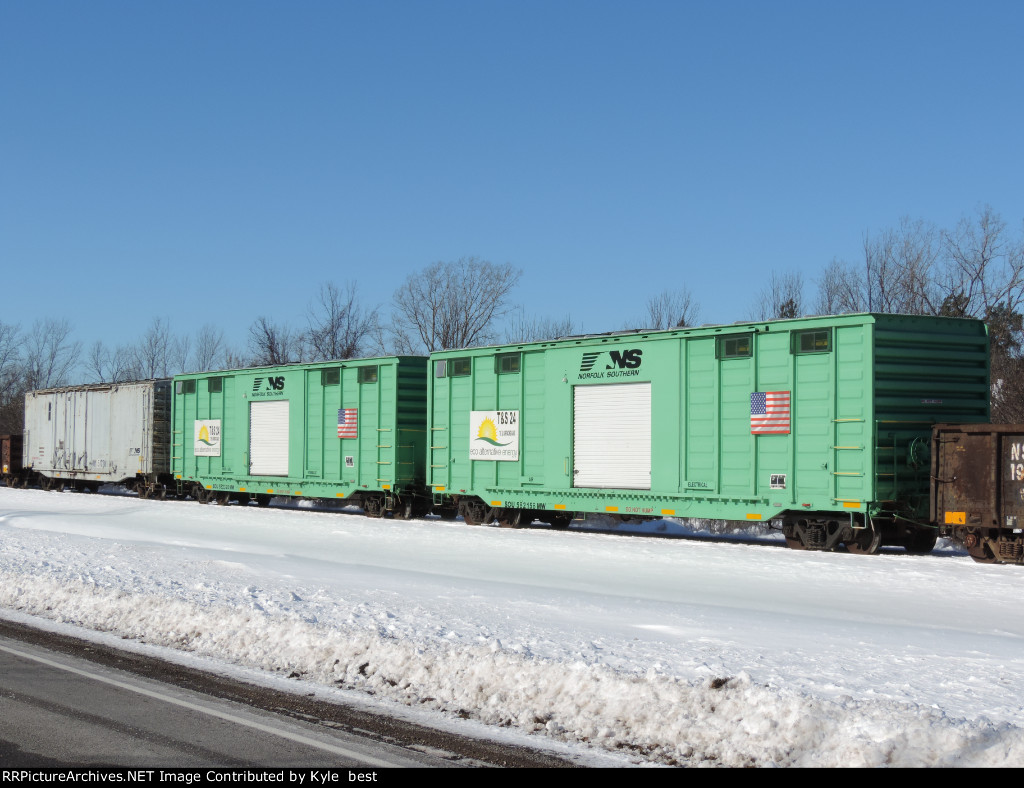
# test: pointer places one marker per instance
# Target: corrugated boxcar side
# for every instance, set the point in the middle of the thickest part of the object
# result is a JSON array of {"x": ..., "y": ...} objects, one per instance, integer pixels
[
  {"x": 280, "y": 431},
  {"x": 105, "y": 433},
  {"x": 688, "y": 394}
]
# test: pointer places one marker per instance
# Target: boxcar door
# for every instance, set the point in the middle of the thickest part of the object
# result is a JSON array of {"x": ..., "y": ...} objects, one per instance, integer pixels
[
  {"x": 268, "y": 438},
  {"x": 612, "y": 436},
  {"x": 813, "y": 426}
]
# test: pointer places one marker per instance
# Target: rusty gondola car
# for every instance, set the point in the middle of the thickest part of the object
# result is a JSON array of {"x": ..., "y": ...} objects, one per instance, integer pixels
[
  {"x": 11, "y": 470},
  {"x": 977, "y": 490}
]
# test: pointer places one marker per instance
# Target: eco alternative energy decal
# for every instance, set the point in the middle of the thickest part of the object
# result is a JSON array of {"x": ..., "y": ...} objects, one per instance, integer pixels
[
  {"x": 494, "y": 435},
  {"x": 207, "y": 439}
]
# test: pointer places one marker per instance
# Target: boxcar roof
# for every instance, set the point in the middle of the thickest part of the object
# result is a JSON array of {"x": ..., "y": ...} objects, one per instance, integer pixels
[{"x": 711, "y": 329}]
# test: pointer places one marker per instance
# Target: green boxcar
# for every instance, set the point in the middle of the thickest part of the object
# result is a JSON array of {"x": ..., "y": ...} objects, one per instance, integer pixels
[
  {"x": 352, "y": 430},
  {"x": 823, "y": 423}
]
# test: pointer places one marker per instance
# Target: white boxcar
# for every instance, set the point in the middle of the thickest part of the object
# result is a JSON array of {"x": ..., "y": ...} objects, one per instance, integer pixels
[{"x": 85, "y": 436}]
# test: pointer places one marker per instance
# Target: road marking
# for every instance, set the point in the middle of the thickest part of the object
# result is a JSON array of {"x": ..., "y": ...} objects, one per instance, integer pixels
[{"x": 296, "y": 737}]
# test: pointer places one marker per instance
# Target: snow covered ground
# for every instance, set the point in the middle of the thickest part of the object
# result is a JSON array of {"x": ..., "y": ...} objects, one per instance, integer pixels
[{"x": 614, "y": 649}]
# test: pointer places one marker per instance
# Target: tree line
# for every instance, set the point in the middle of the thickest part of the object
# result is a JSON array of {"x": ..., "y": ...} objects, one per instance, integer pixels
[{"x": 975, "y": 269}]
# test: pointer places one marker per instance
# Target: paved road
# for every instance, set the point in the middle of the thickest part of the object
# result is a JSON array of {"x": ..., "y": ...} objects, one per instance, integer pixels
[
  {"x": 59, "y": 711},
  {"x": 90, "y": 705}
]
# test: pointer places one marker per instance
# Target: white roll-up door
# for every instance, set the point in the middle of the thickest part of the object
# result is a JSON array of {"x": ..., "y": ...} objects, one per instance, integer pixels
[
  {"x": 268, "y": 438},
  {"x": 612, "y": 436}
]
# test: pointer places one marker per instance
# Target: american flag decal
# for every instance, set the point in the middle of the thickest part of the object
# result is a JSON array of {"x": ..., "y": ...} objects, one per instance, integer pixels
[
  {"x": 769, "y": 413},
  {"x": 348, "y": 423}
]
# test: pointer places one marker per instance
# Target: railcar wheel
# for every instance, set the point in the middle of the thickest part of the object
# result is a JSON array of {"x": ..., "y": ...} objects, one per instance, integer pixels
[
  {"x": 792, "y": 535},
  {"x": 978, "y": 549},
  {"x": 982, "y": 555},
  {"x": 201, "y": 494},
  {"x": 509, "y": 518},
  {"x": 866, "y": 541},
  {"x": 373, "y": 506},
  {"x": 476, "y": 512},
  {"x": 559, "y": 519},
  {"x": 222, "y": 498}
]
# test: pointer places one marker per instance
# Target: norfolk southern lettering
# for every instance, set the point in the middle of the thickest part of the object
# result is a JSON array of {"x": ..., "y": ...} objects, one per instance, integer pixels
[
  {"x": 268, "y": 387},
  {"x": 625, "y": 363}
]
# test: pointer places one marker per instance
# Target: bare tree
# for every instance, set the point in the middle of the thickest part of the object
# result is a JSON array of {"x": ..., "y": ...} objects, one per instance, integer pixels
[
  {"x": 981, "y": 265},
  {"x": 271, "y": 344},
  {"x": 10, "y": 357},
  {"x": 11, "y": 379},
  {"x": 452, "y": 305},
  {"x": 50, "y": 354},
  {"x": 672, "y": 309},
  {"x": 235, "y": 360},
  {"x": 179, "y": 357},
  {"x": 982, "y": 275},
  {"x": 522, "y": 329},
  {"x": 899, "y": 275},
  {"x": 781, "y": 298},
  {"x": 899, "y": 266},
  {"x": 338, "y": 324},
  {"x": 975, "y": 270},
  {"x": 210, "y": 348},
  {"x": 840, "y": 290},
  {"x": 153, "y": 357},
  {"x": 97, "y": 363},
  {"x": 122, "y": 364}
]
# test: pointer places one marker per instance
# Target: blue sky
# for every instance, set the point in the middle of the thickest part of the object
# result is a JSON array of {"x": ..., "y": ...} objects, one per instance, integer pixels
[{"x": 216, "y": 161}]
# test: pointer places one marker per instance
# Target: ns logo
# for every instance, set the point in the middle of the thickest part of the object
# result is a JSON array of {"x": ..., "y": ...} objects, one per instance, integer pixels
[
  {"x": 626, "y": 359},
  {"x": 277, "y": 383}
]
